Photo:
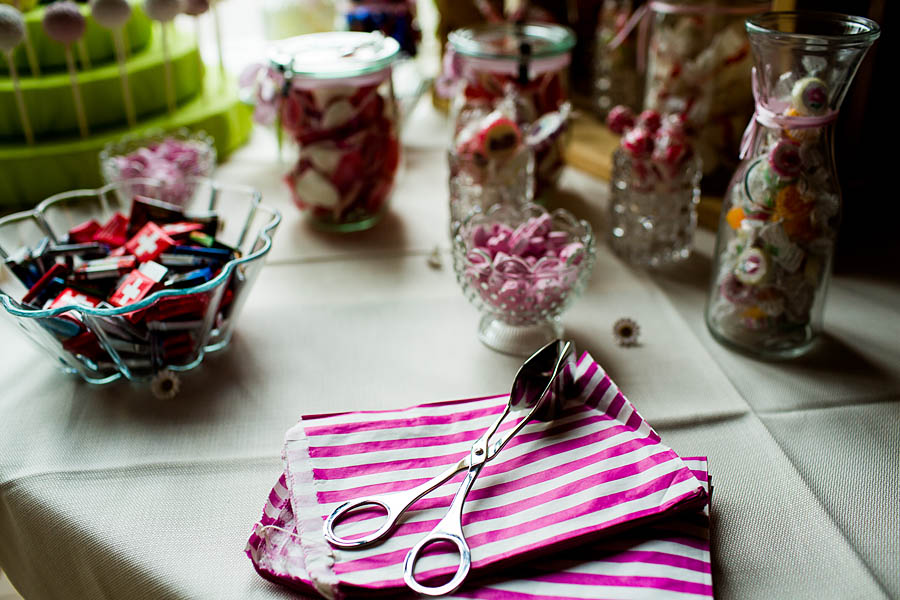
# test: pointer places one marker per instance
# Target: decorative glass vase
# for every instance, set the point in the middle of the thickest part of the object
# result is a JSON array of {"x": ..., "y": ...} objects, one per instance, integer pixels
[{"x": 781, "y": 212}]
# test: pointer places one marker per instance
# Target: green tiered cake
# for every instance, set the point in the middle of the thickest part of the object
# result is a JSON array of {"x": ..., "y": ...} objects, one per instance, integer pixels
[{"x": 60, "y": 159}]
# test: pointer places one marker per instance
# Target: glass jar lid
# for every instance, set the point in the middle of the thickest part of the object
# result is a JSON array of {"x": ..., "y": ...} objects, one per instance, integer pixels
[
  {"x": 334, "y": 54},
  {"x": 504, "y": 40}
]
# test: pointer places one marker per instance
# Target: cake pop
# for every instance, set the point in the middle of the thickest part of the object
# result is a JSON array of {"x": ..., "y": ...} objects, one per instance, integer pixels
[
  {"x": 12, "y": 32},
  {"x": 65, "y": 24},
  {"x": 164, "y": 11},
  {"x": 196, "y": 8},
  {"x": 113, "y": 14},
  {"x": 33, "y": 64}
]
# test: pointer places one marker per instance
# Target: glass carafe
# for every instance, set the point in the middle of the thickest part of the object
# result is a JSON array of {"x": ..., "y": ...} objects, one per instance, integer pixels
[{"x": 782, "y": 208}]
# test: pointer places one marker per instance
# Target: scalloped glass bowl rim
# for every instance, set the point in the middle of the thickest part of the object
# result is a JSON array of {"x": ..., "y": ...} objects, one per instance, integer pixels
[
  {"x": 586, "y": 237},
  {"x": 16, "y": 309}
]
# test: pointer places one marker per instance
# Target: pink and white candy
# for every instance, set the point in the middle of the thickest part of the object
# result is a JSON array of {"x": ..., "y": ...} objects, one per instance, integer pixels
[
  {"x": 784, "y": 158},
  {"x": 809, "y": 96}
]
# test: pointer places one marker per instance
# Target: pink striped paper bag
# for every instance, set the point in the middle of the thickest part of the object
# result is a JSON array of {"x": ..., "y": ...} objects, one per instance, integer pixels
[
  {"x": 596, "y": 469},
  {"x": 668, "y": 559}
]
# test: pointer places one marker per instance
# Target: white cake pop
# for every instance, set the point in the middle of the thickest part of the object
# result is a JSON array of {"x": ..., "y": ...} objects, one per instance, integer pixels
[
  {"x": 12, "y": 27},
  {"x": 111, "y": 13},
  {"x": 162, "y": 10},
  {"x": 64, "y": 22},
  {"x": 196, "y": 7}
]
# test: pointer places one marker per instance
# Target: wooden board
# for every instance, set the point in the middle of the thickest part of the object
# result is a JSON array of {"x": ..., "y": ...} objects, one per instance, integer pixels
[{"x": 591, "y": 148}]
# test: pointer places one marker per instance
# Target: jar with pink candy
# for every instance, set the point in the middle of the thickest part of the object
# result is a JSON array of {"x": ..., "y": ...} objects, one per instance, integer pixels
[
  {"x": 482, "y": 62},
  {"x": 332, "y": 94}
]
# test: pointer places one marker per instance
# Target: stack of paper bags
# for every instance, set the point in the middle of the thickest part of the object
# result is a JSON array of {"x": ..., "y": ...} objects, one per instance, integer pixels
[{"x": 588, "y": 505}]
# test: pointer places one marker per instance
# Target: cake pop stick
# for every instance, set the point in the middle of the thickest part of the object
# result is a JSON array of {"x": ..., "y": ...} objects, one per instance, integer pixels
[
  {"x": 195, "y": 8},
  {"x": 33, "y": 63},
  {"x": 217, "y": 22},
  {"x": 83, "y": 55},
  {"x": 164, "y": 11},
  {"x": 12, "y": 32},
  {"x": 65, "y": 24},
  {"x": 113, "y": 14}
]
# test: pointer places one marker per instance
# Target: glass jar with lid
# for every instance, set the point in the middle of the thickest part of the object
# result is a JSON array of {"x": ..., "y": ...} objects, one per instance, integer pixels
[
  {"x": 531, "y": 59},
  {"x": 337, "y": 104}
]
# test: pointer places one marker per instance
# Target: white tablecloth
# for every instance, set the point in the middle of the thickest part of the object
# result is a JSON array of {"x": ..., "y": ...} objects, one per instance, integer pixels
[{"x": 108, "y": 493}]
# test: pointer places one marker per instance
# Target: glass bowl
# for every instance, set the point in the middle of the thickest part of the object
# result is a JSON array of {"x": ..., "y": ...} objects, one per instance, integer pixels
[
  {"x": 522, "y": 267},
  {"x": 169, "y": 329},
  {"x": 171, "y": 157}
]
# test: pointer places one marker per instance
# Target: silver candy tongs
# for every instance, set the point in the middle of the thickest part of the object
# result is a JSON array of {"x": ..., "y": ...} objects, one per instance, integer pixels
[{"x": 538, "y": 392}]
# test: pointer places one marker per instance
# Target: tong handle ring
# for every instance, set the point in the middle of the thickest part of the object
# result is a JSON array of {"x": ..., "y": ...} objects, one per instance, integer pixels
[
  {"x": 393, "y": 510},
  {"x": 465, "y": 563}
]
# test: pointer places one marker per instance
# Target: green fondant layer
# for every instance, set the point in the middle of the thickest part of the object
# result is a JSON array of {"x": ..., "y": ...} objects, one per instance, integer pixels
[
  {"x": 51, "y": 108},
  {"x": 97, "y": 40},
  {"x": 28, "y": 174}
]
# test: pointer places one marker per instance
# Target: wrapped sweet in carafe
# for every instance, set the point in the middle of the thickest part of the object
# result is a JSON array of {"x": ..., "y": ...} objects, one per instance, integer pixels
[
  {"x": 484, "y": 60},
  {"x": 781, "y": 212},
  {"x": 698, "y": 64},
  {"x": 335, "y": 100}
]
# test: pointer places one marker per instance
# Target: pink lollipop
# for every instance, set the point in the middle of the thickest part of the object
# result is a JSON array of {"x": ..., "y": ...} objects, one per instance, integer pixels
[
  {"x": 12, "y": 32},
  {"x": 65, "y": 24},
  {"x": 113, "y": 14},
  {"x": 164, "y": 11}
]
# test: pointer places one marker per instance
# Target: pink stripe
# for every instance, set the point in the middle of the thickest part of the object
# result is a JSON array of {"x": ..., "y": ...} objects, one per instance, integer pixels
[
  {"x": 326, "y": 497},
  {"x": 418, "y": 442},
  {"x": 615, "y": 406},
  {"x": 485, "y": 593},
  {"x": 634, "y": 421},
  {"x": 585, "y": 379},
  {"x": 419, "y": 421},
  {"x": 400, "y": 410},
  {"x": 392, "y": 466},
  {"x": 657, "y": 558},
  {"x": 594, "y": 505},
  {"x": 659, "y": 583}
]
